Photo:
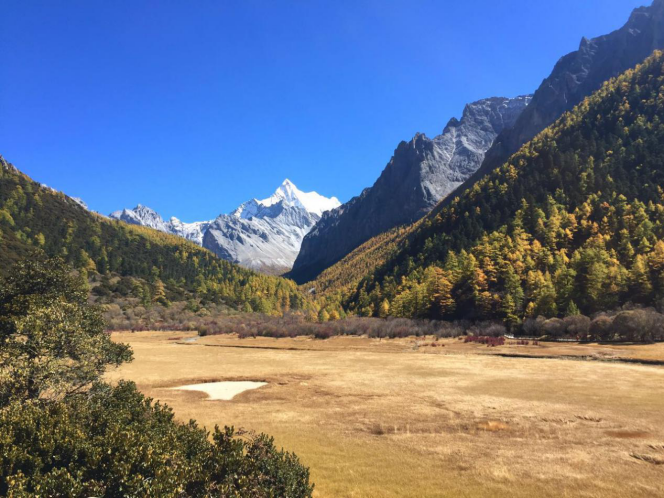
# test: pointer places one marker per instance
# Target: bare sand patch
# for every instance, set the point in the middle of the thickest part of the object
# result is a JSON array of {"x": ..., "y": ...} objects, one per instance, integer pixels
[{"x": 222, "y": 391}]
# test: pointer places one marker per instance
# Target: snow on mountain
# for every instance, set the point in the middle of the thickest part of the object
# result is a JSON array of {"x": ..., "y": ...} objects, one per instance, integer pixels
[
  {"x": 141, "y": 215},
  {"x": 80, "y": 202},
  {"x": 77, "y": 200},
  {"x": 190, "y": 231},
  {"x": 312, "y": 202},
  {"x": 263, "y": 235},
  {"x": 144, "y": 216}
]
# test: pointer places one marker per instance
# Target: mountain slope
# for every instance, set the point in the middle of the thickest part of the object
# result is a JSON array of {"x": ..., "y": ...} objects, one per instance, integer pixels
[
  {"x": 419, "y": 175},
  {"x": 575, "y": 220},
  {"x": 579, "y": 74},
  {"x": 263, "y": 235},
  {"x": 36, "y": 221}
]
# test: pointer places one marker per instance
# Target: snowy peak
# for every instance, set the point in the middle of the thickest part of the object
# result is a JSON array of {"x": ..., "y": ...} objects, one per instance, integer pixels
[
  {"x": 190, "y": 231},
  {"x": 290, "y": 196},
  {"x": 266, "y": 234},
  {"x": 312, "y": 202},
  {"x": 141, "y": 215},
  {"x": 147, "y": 217}
]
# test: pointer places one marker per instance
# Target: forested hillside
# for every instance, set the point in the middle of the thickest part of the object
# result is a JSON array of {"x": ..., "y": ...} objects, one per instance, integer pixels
[
  {"x": 572, "y": 222},
  {"x": 36, "y": 220}
]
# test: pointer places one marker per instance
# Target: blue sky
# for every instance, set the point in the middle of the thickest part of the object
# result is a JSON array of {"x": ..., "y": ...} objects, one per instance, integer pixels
[{"x": 194, "y": 107}]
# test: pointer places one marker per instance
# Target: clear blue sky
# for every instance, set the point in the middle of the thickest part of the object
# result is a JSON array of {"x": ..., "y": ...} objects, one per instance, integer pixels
[{"x": 192, "y": 107}]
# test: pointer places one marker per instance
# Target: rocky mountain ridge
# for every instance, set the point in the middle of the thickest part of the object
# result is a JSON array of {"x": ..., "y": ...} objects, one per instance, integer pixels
[
  {"x": 577, "y": 75},
  {"x": 421, "y": 173}
]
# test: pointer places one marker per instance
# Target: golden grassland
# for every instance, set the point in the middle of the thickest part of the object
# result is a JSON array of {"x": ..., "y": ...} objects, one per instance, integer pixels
[{"x": 400, "y": 417}]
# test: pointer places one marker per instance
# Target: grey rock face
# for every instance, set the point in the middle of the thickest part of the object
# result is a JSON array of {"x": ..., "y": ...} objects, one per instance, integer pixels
[
  {"x": 419, "y": 175},
  {"x": 578, "y": 75},
  {"x": 141, "y": 215},
  {"x": 7, "y": 165},
  {"x": 268, "y": 241}
]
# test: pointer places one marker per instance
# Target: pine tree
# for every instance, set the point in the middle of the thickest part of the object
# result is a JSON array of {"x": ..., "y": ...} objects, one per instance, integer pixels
[
  {"x": 159, "y": 293},
  {"x": 443, "y": 304},
  {"x": 640, "y": 284},
  {"x": 323, "y": 316},
  {"x": 572, "y": 309},
  {"x": 384, "y": 309}
]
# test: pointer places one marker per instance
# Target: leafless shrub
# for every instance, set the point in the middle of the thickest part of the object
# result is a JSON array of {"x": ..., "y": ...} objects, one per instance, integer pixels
[
  {"x": 554, "y": 327},
  {"x": 639, "y": 326},
  {"x": 534, "y": 326},
  {"x": 601, "y": 327},
  {"x": 577, "y": 326}
]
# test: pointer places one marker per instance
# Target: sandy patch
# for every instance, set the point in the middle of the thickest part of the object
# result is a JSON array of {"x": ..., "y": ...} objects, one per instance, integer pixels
[{"x": 224, "y": 391}]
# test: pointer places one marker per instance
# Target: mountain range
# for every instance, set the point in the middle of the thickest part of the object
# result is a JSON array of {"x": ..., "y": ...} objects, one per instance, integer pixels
[
  {"x": 263, "y": 235},
  {"x": 536, "y": 205}
]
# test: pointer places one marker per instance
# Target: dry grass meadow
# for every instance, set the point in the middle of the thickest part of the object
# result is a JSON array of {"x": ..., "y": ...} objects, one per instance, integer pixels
[{"x": 403, "y": 418}]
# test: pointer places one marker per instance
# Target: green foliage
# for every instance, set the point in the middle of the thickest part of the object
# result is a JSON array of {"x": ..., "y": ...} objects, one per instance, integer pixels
[
  {"x": 35, "y": 221},
  {"x": 115, "y": 442},
  {"x": 52, "y": 343},
  {"x": 574, "y": 222}
]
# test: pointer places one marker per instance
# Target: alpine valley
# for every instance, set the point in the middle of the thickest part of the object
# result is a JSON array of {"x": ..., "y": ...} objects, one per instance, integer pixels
[{"x": 485, "y": 319}]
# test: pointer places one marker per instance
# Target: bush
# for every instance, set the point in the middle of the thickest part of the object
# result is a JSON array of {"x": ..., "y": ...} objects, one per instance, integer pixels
[
  {"x": 639, "y": 326},
  {"x": 64, "y": 433},
  {"x": 115, "y": 442},
  {"x": 534, "y": 327},
  {"x": 495, "y": 330},
  {"x": 578, "y": 326},
  {"x": 601, "y": 328},
  {"x": 554, "y": 328},
  {"x": 489, "y": 341}
]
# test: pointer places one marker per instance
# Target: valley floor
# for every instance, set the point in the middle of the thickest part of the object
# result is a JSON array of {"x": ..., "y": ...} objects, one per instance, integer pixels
[{"x": 403, "y": 418}]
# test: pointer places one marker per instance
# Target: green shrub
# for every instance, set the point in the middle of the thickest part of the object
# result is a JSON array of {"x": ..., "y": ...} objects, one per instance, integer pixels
[{"x": 113, "y": 441}]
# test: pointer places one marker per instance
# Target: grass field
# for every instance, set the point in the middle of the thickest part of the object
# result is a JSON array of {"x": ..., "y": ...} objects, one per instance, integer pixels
[{"x": 403, "y": 418}]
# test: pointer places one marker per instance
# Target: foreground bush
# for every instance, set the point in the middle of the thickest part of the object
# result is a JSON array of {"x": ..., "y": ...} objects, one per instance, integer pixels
[
  {"x": 52, "y": 342},
  {"x": 115, "y": 442}
]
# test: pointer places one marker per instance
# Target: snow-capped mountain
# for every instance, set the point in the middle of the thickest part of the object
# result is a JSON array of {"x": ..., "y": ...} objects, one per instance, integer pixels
[
  {"x": 141, "y": 215},
  {"x": 263, "y": 235},
  {"x": 190, "y": 231},
  {"x": 144, "y": 216}
]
